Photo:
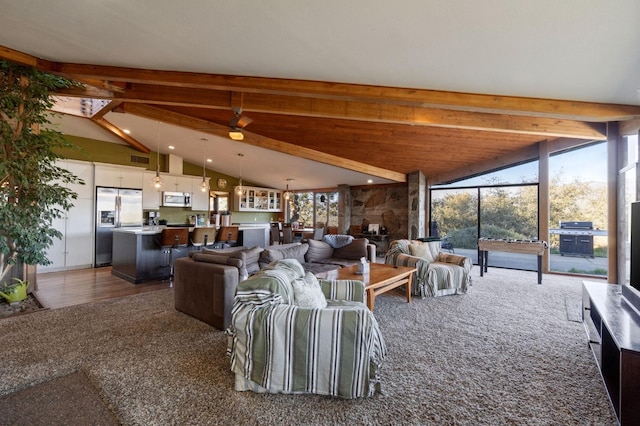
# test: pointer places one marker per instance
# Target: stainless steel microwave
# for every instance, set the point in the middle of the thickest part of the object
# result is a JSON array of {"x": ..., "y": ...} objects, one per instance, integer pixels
[{"x": 176, "y": 199}]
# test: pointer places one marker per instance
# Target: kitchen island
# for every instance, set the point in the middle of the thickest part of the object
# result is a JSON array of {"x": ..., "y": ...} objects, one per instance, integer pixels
[{"x": 137, "y": 256}]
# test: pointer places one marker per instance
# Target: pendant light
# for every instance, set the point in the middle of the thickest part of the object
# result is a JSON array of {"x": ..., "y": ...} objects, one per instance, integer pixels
[
  {"x": 239, "y": 188},
  {"x": 157, "y": 180},
  {"x": 203, "y": 185},
  {"x": 287, "y": 194}
]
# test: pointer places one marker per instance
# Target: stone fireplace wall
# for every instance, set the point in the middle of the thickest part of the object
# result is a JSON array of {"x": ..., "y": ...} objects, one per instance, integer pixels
[{"x": 385, "y": 205}]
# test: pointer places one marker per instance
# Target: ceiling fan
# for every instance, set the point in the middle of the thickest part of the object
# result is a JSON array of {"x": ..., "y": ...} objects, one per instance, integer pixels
[{"x": 238, "y": 123}]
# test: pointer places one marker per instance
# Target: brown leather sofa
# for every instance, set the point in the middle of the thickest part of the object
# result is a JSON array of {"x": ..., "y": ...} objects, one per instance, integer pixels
[{"x": 205, "y": 282}]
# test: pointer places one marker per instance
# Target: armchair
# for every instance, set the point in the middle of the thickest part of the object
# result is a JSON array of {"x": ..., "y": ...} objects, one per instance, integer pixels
[
  {"x": 279, "y": 346},
  {"x": 437, "y": 273}
]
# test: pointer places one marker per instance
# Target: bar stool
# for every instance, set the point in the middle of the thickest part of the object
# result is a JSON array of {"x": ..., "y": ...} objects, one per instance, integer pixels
[
  {"x": 203, "y": 237},
  {"x": 227, "y": 237},
  {"x": 170, "y": 241}
]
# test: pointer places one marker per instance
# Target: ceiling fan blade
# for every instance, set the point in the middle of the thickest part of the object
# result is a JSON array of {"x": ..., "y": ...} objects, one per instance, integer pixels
[
  {"x": 243, "y": 120},
  {"x": 239, "y": 121}
]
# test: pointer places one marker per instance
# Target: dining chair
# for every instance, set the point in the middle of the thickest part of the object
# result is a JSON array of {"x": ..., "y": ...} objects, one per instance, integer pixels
[
  {"x": 287, "y": 233},
  {"x": 318, "y": 231},
  {"x": 274, "y": 233}
]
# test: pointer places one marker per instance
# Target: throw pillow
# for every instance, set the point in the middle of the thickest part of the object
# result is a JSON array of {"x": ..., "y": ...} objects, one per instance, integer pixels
[
  {"x": 295, "y": 252},
  {"x": 250, "y": 258},
  {"x": 318, "y": 250},
  {"x": 353, "y": 251},
  {"x": 422, "y": 251},
  {"x": 307, "y": 292},
  {"x": 337, "y": 241}
]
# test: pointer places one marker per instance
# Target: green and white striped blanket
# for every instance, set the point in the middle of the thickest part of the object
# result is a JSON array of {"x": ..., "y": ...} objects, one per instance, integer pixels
[{"x": 280, "y": 347}]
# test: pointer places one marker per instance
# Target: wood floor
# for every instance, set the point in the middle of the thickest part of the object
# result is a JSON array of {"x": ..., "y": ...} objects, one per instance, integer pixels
[{"x": 68, "y": 288}]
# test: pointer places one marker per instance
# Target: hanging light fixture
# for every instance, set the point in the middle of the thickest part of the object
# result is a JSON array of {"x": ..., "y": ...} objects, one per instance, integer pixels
[
  {"x": 157, "y": 180},
  {"x": 239, "y": 188},
  {"x": 287, "y": 194},
  {"x": 204, "y": 187}
]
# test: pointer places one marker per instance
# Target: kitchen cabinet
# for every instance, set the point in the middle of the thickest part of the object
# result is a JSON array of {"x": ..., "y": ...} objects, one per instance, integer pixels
[
  {"x": 75, "y": 249},
  {"x": 199, "y": 199},
  {"x": 255, "y": 199},
  {"x": 177, "y": 183},
  {"x": 116, "y": 176},
  {"x": 151, "y": 196}
]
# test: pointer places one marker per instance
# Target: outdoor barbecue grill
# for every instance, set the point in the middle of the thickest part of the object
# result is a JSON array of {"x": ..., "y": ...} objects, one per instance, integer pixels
[{"x": 576, "y": 239}]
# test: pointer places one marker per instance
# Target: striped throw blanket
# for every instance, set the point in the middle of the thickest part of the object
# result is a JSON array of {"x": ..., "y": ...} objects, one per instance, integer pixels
[
  {"x": 440, "y": 275},
  {"x": 280, "y": 347}
]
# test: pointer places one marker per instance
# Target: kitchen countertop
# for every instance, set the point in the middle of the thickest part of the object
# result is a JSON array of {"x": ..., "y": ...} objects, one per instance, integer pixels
[{"x": 152, "y": 230}]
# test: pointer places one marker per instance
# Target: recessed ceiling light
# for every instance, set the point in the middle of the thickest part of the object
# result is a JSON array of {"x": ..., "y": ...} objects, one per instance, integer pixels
[
  {"x": 127, "y": 131},
  {"x": 209, "y": 160},
  {"x": 369, "y": 180},
  {"x": 171, "y": 147}
]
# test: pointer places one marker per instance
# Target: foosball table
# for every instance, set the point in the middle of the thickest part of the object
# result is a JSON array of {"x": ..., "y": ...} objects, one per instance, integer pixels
[{"x": 485, "y": 245}]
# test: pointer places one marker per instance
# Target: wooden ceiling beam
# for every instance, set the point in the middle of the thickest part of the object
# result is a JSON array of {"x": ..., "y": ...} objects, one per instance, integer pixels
[
  {"x": 206, "y": 126},
  {"x": 565, "y": 109},
  {"x": 111, "y": 128},
  {"x": 360, "y": 111}
]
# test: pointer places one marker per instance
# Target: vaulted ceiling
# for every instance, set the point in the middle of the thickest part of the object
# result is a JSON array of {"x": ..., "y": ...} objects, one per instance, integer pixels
[{"x": 339, "y": 93}]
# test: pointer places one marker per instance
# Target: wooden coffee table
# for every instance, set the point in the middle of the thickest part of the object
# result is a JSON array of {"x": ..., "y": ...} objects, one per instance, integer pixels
[{"x": 380, "y": 279}]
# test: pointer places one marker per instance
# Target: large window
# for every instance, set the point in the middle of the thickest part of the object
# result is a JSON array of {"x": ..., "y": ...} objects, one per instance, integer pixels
[
  {"x": 498, "y": 211},
  {"x": 506, "y": 206},
  {"x": 578, "y": 201},
  {"x": 309, "y": 208}
]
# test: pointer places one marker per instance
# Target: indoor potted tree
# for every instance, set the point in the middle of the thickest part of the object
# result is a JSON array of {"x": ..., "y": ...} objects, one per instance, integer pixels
[{"x": 32, "y": 187}]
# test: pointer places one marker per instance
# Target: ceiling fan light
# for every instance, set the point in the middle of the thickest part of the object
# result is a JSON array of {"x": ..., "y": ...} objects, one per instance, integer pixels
[{"x": 236, "y": 134}]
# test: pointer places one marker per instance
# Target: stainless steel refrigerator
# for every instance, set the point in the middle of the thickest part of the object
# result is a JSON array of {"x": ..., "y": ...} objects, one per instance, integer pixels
[{"x": 115, "y": 208}]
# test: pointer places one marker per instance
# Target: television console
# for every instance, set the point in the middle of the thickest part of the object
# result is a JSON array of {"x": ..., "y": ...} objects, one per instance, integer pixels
[{"x": 611, "y": 316}]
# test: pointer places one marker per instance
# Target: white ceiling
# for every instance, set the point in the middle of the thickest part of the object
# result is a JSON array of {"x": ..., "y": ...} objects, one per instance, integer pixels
[{"x": 585, "y": 50}]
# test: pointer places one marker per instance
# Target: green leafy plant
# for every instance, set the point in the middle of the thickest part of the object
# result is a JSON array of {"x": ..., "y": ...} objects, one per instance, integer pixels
[{"x": 33, "y": 189}]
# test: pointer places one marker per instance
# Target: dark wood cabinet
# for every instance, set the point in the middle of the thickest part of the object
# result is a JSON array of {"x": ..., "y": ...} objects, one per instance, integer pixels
[{"x": 612, "y": 322}]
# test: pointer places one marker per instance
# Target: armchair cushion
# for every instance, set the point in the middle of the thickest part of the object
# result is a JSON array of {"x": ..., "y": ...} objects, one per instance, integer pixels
[
  {"x": 307, "y": 292},
  {"x": 421, "y": 250}
]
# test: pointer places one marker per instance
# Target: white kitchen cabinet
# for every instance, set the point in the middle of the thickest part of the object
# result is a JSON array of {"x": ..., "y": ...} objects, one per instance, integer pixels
[
  {"x": 151, "y": 196},
  {"x": 75, "y": 249},
  {"x": 177, "y": 183},
  {"x": 117, "y": 176},
  {"x": 199, "y": 199},
  {"x": 254, "y": 199}
]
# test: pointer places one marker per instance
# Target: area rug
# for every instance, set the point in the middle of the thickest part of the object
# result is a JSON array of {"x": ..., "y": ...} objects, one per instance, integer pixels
[
  {"x": 70, "y": 400},
  {"x": 505, "y": 353}
]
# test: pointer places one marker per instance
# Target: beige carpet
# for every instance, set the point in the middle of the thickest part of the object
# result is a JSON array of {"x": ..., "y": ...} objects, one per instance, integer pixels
[{"x": 506, "y": 353}]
